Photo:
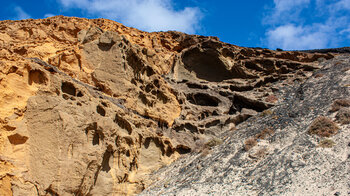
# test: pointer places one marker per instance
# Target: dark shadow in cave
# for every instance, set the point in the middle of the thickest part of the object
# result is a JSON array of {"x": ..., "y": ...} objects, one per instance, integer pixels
[{"x": 207, "y": 65}]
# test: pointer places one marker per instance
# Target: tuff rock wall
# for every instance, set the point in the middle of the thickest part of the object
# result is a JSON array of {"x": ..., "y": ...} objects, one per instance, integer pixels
[{"x": 91, "y": 107}]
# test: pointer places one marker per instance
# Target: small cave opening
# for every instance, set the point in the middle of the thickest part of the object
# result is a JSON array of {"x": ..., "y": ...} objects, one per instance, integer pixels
[
  {"x": 191, "y": 128},
  {"x": 96, "y": 139},
  {"x": 183, "y": 149},
  {"x": 212, "y": 123},
  {"x": 80, "y": 94},
  {"x": 148, "y": 71},
  {"x": 195, "y": 85},
  {"x": 17, "y": 139},
  {"x": 100, "y": 110},
  {"x": 37, "y": 77},
  {"x": 232, "y": 110},
  {"x": 68, "y": 88},
  {"x": 207, "y": 65},
  {"x": 20, "y": 51},
  {"x": 105, "y": 161},
  {"x": 240, "y": 101},
  {"x": 203, "y": 99},
  {"x": 147, "y": 142},
  {"x": 105, "y": 46}
]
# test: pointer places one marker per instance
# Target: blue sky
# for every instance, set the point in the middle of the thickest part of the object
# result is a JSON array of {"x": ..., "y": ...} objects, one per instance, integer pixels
[{"x": 286, "y": 24}]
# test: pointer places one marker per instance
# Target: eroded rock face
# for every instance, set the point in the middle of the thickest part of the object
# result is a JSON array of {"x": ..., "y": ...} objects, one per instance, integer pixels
[
  {"x": 77, "y": 140},
  {"x": 298, "y": 147},
  {"x": 220, "y": 86},
  {"x": 91, "y": 107}
]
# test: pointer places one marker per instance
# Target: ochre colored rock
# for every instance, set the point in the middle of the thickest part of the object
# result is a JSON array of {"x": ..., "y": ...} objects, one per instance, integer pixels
[{"x": 91, "y": 107}]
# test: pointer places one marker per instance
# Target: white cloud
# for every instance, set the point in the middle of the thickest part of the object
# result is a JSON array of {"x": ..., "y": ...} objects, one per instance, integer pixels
[
  {"x": 291, "y": 37},
  {"x": 285, "y": 10},
  {"x": 323, "y": 24},
  {"x": 48, "y": 15},
  {"x": 148, "y": 15},
  {"x": 286, "y": 5},
  {"x": 20, "y": 14}
]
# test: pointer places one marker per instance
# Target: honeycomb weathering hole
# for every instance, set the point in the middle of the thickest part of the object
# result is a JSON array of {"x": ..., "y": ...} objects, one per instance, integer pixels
[
  {"x": 96, "y": 139},
  {"x": 17, "y": 139},
  {"x": 68, "y": 88},
  {"x": 105, "y": 162},
  {"x": 122, "y": 123},
  {"x": 101, "y": 110},
  {"x": 203, "y": 99},
  {"x": 207, "y": 65},
  {"x": 37, "y": 77}
]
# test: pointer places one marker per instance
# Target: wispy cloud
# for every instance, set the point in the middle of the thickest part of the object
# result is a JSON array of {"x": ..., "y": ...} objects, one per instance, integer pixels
[
  {"x": 307, "y": 24},
  {"x": 343, "y": 4},
  {"x": 48, "y": 15},
  {"x": 20, "y": 14},
  {"x": 285, "y": 10},
  {"x": 148, "y": 15},
  {"x": 292, "y": 37}
]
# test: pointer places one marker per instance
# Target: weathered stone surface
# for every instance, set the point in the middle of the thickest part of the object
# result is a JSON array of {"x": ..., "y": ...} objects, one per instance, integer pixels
[
  {"x": 284, "y": 159},
  {"x": 91, "y": 107}
]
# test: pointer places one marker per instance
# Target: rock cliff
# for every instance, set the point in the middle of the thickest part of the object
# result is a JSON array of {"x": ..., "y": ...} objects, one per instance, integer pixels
[
  {"x": 91, "y": 107},
  {"x": 298, "y": 147}
]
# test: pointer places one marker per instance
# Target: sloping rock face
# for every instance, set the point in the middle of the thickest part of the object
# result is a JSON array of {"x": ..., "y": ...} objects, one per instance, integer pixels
[
  {"x": 91, "y": 107},
  {"x": 298, "y": 147}
]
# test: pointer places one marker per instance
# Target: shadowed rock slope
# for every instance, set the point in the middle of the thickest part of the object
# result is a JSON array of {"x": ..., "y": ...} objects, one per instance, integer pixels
[{"x": 91, "y": 107}]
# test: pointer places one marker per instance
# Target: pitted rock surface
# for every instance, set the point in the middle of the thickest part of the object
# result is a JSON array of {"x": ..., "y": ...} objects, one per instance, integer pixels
[
  {"x": 91, "y": 107},
  {"x": 285, "y": 159}
]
